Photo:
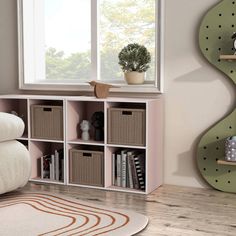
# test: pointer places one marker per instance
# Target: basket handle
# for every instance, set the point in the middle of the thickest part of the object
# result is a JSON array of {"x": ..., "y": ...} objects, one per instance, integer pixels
[
  {"x": 47, "y": 109},
  {"x": 127, "y": 113},
  {"x": 85, "y": 154}
]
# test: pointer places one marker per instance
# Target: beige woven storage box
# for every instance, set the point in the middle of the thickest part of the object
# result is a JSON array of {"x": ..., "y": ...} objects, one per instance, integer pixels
[
  {"x": 126, "y": 126},
  {"x": 47, "y": 122},
  {"x": 86, "y": 167}
]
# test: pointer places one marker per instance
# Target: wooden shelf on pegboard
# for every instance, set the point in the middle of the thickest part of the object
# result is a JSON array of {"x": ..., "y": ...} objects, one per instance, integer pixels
[
  {"x": 228, "y": 57},
  {"x": 228, "y": 163}
]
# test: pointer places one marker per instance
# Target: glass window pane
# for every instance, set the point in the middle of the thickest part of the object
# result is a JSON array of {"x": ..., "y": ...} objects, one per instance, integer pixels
[
  {"x": 123, "y": 22},
  {"x": 68, "y": 39}
]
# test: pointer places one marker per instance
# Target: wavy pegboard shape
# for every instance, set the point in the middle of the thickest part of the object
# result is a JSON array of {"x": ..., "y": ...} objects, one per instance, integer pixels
[{"x": 215, "y": 34}]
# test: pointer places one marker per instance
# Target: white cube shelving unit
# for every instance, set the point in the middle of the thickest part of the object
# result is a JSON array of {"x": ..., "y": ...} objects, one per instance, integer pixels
[{"x": 78, "y": 108}]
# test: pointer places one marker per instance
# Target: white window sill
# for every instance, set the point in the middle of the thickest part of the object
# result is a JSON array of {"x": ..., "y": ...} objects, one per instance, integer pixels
[{"x": 147, "y": 87}]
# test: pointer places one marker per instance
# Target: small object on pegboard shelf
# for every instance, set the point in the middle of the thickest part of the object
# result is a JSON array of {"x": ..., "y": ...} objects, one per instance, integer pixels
[
  {"x": 233, "y": 56},
  {"x": 234, "y": 43},
  {"x": 230, "y": 149}
]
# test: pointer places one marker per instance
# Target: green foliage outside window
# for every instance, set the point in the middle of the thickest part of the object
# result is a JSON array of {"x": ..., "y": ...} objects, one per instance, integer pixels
[
  {"x": 72, "y": 67},
  {"x": 118, "y": 28}
]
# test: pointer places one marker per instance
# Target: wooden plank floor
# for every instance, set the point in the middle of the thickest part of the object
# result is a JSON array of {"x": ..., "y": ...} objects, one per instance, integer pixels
[{"x": 172, "y": 210}]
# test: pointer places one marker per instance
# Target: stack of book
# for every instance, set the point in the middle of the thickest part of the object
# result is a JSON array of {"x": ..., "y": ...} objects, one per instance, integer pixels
[
  {"x": 128, "y": 169},
  {"x": 52, "y": 166}
]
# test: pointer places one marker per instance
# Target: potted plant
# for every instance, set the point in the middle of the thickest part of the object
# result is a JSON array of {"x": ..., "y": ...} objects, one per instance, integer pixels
[{"x": 134, "y": 60}]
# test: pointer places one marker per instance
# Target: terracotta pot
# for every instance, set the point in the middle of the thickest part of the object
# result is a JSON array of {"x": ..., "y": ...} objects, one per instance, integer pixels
[{"x": 134, "y": 77}]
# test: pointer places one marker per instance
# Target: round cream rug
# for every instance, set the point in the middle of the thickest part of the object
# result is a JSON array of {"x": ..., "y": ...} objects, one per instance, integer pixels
[{"x": 48, "y": 214}]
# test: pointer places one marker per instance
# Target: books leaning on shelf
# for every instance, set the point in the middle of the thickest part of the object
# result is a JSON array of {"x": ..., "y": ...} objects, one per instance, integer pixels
[
  {"x": 128, "y": 169},
  {"x": 52, "y": 166}
]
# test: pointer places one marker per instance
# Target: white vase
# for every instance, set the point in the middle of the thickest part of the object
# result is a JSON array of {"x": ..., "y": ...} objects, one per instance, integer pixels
[{"x": 134, "y": 77}]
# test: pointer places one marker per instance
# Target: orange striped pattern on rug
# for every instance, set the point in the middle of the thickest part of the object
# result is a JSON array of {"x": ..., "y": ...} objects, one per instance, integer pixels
[{"x": 41, "y": 214}]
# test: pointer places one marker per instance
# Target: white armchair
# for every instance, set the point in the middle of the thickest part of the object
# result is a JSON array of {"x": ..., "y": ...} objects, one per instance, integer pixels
[{"x": 15, "y": 162}]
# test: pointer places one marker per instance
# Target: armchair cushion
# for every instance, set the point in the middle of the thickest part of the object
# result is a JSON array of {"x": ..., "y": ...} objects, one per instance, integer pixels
[
  {"x": 11, "y": 126},
  {"x": 15, "y": 166}
]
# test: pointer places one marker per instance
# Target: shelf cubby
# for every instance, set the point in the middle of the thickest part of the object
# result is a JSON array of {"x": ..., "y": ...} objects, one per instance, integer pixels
[
  {"x": 77, "y": 111},
  {"x": 126, "y": 124},
  {"x": 19, "y": 106},
  {"x": 24, "y": 142},
  {"x": 126, "y": 163},
  {"x": 39, "y": 149},
  {"x": 47, "y": 119},
  {"x": 86, "y": 165}
]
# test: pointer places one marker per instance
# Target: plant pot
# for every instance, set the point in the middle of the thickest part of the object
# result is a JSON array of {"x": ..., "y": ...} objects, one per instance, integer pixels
[{"x": 134, "y": 77}]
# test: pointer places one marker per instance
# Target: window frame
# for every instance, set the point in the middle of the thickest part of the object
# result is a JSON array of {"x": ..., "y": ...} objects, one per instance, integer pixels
[{"x": 148, "y": 87}]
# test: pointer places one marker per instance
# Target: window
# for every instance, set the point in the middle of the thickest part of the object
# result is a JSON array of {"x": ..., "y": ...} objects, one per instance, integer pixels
[{"x": 63, "y": 44}]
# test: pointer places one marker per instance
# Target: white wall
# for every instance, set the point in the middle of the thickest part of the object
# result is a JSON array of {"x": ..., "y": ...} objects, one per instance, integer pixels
[{"x": 197, "y": 95}]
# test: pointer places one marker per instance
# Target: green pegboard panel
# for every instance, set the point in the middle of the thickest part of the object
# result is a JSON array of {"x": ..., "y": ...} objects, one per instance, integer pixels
[{"x": 215, "y": 34}]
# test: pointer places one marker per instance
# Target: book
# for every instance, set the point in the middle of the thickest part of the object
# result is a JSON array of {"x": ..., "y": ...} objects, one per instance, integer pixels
[
  {"x": 118, "y": 169},
  {"x": 133, "y": 182},
  {"x": 50, "y": 171},
  {"x": 139, "y": 161},
  {"x": 130, "y": 177},
  {"x": 56, "y": 165},
  {"x": 114, "y": 170},
  {"x": 133, "y": 172},
  {"x": 124, "y": 168},
  {"x": 52, "y": 167}
]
